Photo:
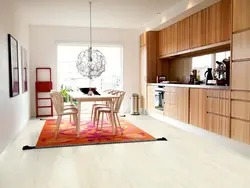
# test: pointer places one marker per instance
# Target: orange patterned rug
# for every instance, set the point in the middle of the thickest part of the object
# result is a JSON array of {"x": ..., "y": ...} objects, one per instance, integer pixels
[{"x": 88, "y": 135}]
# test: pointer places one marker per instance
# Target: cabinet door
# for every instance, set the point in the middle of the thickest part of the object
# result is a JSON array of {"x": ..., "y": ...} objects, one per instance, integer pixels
[
  {"x": 241, "y": 15},
  {"x": 226, "y": 29},
  {"x": 143, "y": 75},
  {"x": 150, "y": 97},
  {"x": 198, "y": 29},
  {"x": 171, "y": 39},
  {"x": 161, "y": 43},
  {"x": 240, "y": 130},
  {"x": 218, "y": 124},
  {"x": 183, "y": 34},
  {"x": 213, "y": 24},
  {"x": 182, "y": 104},
  {"x": 198, "y": 111},
  {"x": 240, "y": 75}
]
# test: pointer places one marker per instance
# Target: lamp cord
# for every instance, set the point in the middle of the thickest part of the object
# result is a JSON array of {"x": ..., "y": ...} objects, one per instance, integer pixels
[{"x": 90, "y": 29}]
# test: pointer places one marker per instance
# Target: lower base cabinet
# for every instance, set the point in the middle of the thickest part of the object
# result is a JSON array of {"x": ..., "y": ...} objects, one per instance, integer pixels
[
  {"x": 240, "y": 130},
  {"x": 218, "y": 124},
  {"x": 198, "y": 112},
  {"x": 150, "y": 97},
  {"x": 176, "y": 103}
]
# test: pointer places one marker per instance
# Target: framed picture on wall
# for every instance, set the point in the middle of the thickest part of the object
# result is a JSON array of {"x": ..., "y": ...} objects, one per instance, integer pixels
[
  {"x": 24, "y": 69},
  {"x": 13, "y": 66}
]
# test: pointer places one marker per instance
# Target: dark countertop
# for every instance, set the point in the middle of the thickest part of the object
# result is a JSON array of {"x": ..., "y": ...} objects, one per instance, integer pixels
[{"x": 191, "y": 86}]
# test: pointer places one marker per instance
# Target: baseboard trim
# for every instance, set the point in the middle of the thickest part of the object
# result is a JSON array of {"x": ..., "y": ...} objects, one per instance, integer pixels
[{"x": 227, "y": 142}]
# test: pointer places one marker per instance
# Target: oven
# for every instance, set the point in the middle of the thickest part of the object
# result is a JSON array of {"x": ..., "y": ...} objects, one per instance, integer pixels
[{"x": 159, "y": 98}]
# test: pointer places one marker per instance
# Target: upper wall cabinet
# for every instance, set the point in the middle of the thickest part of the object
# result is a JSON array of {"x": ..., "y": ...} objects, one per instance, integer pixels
[
  {"x": 171, "y": 39},
  {"x": 183, "y": 34},
  {"x": 198, "y": 29},
  {"x": 213, "y": 23},
  {"x": 161, "y": 42},
  {"x": 226, "y": 18},
  {"x": 241, "y": 15}
]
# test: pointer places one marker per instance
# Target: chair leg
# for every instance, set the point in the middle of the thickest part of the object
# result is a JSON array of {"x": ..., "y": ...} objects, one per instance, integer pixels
[
  {"x": 75, "y": 120},
  {"x": 92, "y": 112},
  {"x": 118, "y": 120},
  {"x": 107, "y": 116},
  {"x": 94, "y": 119},
  {"x": 58, "y": 122},
  {"x": 98, "y": 118},
  {"x": 102, "y": 122},
  {"x": 74, "y": 117},
  {"x": 70, "y": 118}
]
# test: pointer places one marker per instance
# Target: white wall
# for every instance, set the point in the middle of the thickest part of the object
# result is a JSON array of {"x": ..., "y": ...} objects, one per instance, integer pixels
[
  {"x": 14, "y": 112},
  {"x": 43, "y": 53}
]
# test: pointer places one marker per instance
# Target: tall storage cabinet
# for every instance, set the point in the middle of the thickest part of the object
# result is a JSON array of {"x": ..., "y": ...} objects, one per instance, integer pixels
[{"x": 148, "y": 63}]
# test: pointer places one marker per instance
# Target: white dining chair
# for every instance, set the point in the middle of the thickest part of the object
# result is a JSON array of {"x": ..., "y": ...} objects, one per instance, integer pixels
[
  {"x": 58, "y": 102},
  {"x": 107, "y": 110},
  {"x": 109, "y": 91}
]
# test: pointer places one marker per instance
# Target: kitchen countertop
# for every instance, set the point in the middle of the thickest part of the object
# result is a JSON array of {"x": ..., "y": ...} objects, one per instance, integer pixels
[{"x": 191, "y": 86}]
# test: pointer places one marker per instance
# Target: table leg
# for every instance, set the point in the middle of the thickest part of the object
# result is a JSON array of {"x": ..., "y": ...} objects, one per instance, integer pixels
[
  {"x": 112, "y": 116},
  {"x": 78, "y": 119}
]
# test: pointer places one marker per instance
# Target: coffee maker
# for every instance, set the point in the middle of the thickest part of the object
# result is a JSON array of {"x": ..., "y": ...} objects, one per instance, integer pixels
[{"x": 209, "y": 77}]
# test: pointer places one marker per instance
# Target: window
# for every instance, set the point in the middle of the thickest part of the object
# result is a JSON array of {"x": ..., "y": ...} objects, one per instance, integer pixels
[
  {"x": 201, "y": 63},
  {"x": 69, "y": 76}
]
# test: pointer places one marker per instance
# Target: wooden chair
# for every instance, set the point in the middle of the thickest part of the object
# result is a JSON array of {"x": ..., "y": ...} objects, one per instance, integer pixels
[
  {"x": 107, "y": 110},
  {"x": 109, "y": 91},
  {"x": 66, "y": 106},
  {"x": 96, "y": 106},
  {"x": 57, "y": 100}
]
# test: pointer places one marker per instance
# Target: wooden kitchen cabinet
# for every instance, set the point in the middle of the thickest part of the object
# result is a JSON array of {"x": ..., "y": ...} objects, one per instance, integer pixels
[
  {"x": 218, "y": 111},
  {"x": 241, "y": 15},
  {"x": 218, "y": 124},
  {"x": 148, "y": 63},
  {"x": 213, "y": 23},
  {"x": 240, "y": 75},
  {"x": 226, "y": 17},
  {"x": 198, "y": 110},
  {"x": 240, "y": 130},
  {"x": 198, "y": 29},
  {"x": 171, "y": 39},
  {"x": 150, "y": 97},
  {"x": 183, "y": 34},
  {"x": 161, "y": 42},
  {"x": 176, "y": 103}
]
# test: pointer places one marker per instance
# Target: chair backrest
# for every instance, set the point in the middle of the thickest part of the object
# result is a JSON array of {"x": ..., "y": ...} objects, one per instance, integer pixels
[
  {"x": 119, "y": 101},
  {"x": 58, "y": 102}
]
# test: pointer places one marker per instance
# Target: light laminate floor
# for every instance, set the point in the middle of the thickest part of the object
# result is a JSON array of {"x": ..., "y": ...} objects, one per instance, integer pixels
[{"x": 185, "y": 161}]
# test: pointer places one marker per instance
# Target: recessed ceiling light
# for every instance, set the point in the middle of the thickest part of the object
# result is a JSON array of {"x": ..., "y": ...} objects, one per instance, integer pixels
[
  {"x": 158, "y": 13},
  {"x": 142, "y": 24}
]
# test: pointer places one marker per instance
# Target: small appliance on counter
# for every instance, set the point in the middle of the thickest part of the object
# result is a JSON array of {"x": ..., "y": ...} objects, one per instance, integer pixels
[
  {"x": 160, "y": 79},
  {"x": 209, "y": 77}
]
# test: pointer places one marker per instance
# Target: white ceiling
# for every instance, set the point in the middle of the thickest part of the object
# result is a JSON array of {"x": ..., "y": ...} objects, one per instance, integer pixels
[{"x": 129, "y": 14}]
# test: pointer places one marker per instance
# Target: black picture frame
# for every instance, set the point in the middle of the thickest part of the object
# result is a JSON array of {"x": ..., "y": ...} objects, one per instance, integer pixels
[
  {"x": 24, "y": 69},
  {"x": 13, "y": 66}
]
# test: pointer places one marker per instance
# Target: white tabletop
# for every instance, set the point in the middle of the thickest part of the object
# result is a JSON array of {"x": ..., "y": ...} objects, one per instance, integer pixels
[{"x": 82, "y": 97}]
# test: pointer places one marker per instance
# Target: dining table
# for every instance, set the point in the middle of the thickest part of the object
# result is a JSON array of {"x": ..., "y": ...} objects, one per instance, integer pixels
[{"x": 80, "y": 97}]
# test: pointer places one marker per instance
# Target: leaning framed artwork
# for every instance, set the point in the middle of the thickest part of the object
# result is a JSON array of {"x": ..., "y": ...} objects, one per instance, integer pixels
[
  {"x": 13, "y": 66},
  {"x": 24, "y": 69}
]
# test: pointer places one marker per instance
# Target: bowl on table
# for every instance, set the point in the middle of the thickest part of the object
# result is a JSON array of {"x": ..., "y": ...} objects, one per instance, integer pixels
[{"x": 86, "y": 90}]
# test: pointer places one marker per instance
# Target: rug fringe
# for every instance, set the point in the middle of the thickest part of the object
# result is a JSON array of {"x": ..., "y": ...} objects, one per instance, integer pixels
[{"x": 91, "y": 144}]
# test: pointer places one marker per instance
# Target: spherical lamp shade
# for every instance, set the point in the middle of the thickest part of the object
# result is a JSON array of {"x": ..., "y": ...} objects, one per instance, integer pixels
[{"x": 91, "y": 63}]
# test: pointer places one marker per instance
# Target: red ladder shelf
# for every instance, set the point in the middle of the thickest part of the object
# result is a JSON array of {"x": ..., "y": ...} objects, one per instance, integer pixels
[{"x": 43, "y": 87}]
